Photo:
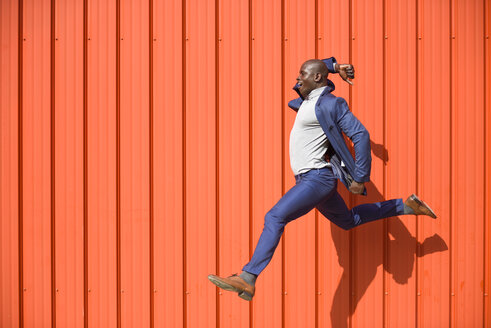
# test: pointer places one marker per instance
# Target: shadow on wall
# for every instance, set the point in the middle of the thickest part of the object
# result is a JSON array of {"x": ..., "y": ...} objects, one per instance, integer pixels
[{"x": 400, "y": 242}]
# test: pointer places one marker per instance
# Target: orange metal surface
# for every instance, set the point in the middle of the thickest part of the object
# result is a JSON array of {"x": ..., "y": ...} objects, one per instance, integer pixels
[
  {"x": 9, "y": 165},
  {"x": 69, "y": 164},
  {"x": 37, "y": 193},
  {"x": 134, "y": 164},
  {"x": 101, "y": 164},
  {"x": 467, "y": 117},
  {"x": 487, "y": 174},
  {"x": 168, "y": 163},
  {"x": 142, "y": 143}
]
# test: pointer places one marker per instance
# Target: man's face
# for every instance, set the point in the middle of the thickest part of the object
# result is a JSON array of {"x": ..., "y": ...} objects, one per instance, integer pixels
[{"x": 306, "y": 79}]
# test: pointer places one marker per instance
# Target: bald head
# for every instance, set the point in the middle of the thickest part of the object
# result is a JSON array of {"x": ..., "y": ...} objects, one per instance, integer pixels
[
  {"x": 312, "y": 75},
  {"x": 316, "y": 66}
]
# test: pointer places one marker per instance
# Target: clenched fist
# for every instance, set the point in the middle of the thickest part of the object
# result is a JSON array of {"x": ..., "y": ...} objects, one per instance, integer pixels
[
  {"x": 346, "y": 71},
  {"x": 357, "y": 188}
]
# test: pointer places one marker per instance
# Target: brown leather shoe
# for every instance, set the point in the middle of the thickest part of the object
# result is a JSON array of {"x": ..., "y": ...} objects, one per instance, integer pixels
[
  {"x": 419, "y": 207},
  {"x": 234, "y": 283}
]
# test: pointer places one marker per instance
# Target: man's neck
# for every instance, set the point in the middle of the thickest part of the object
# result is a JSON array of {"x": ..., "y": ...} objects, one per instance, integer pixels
[{"x": 316, "y": 92}]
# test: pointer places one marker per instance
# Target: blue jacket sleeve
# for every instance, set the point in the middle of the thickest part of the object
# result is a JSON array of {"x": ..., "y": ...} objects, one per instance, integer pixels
[
  {"x": 330, "y": 64},
  {"x": 353, "y": 128},
  {"x": 295, "y": 104}
]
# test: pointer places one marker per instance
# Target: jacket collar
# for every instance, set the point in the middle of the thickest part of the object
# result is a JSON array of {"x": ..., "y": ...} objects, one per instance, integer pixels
[{"x": 330, "y": 88}]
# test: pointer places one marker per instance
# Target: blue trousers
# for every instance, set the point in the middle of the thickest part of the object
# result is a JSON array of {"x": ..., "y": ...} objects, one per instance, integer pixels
[{"x": 316, "y": 188}]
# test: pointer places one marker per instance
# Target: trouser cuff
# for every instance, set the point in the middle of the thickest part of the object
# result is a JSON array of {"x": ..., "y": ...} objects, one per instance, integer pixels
[{"x": 399, "y": 206}]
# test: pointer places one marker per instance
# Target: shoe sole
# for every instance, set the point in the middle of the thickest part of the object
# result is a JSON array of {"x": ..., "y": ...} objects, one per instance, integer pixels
[
  {"x": 420, "y": 202},
  {"x": 222, "y": 284},
  {"x": 217, "y": 282}
]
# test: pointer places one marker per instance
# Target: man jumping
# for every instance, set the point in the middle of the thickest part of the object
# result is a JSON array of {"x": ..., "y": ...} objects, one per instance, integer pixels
[{"x": 319, "y": 157}]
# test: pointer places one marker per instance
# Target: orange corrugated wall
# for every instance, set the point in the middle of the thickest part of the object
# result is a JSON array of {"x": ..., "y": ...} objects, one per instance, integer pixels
[{"x": 142, "y": 142}]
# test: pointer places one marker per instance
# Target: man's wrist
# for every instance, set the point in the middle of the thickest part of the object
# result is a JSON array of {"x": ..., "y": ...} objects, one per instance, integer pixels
[{"x": 336, "y": 67}]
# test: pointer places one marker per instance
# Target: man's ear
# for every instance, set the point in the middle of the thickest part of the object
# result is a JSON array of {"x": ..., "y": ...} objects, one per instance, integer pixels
[{"x": 318, "y": 77}]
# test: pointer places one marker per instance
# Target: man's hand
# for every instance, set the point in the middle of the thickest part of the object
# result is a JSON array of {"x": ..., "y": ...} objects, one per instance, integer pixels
[
  {"x": 346, "y": 71},
  {"x": 357, "y": 187}
]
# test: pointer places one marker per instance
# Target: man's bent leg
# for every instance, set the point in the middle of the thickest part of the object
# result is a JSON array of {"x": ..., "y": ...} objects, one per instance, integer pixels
[
  {"x": 370, "y": 212},
  {"x": 312, "y": 189},
  {"x": 334, "y": 208}
]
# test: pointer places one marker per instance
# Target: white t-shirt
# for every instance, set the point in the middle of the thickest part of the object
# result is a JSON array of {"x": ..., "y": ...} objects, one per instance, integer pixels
[{"x": 308, "y": 143}]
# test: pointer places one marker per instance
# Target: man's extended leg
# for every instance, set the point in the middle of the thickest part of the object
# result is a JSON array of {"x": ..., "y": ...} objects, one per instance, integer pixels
[{"x": 311, "y": 189}]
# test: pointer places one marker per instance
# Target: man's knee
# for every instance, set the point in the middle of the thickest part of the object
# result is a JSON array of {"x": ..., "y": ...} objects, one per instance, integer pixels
[
  {"x": 347, "y": 222},
  {"x": 274, "y": 219}
]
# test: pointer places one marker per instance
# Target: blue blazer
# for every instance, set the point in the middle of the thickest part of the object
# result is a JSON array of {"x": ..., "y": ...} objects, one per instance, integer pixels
[{"x": 335, "y": 118}]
